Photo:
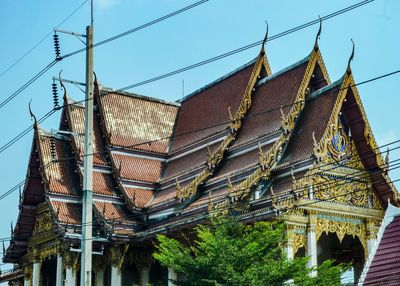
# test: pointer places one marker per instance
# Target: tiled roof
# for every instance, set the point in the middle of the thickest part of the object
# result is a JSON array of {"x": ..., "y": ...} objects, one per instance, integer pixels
[
  {"x": 314, "y": 118},
  {"x": 76, "y": 114},
  {"x": 132, "y": 121},
  {"x": 188, "y": 162},
  {"x": 60, "y": 170},
  {"x": 163, "y": 196},
  {"x": 382, "y": 267},
  {"x": 103, "y": 184},
  {"x": 114, "y": 213},
  {"x": 139, "y": 197},
  {"x": 209, "y": 107},
  {"x": 278, "y": 91},
  {"x": 68, "y": 212},
  {"x": 138, "y": 169}
]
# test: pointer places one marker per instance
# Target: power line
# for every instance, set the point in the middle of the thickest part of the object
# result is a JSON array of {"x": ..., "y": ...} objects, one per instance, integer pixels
[
  {"x": 41, "y": 41},
  {"x": 147, "y": 223},
  {"x": 51, "y": 64},
  {"x": 28, "y": 83},
  {"x": 348, "y": 178},
  {"x": 148, "y": 24},
  {"x": 249, "y": 46}
]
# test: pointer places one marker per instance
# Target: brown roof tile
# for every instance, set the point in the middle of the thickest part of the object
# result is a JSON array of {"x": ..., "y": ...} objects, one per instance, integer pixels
[
  {"x": 103, "y": 184},
  {"x": 139, "y": 197},
  {"x": 163, "y": 196},
  {"x": 188, "y": 162},
  {"x": 138, "y": 169},
  {"x": 60, "y": 173},
  {"x": 314, "y": 118},
  {"x": 76, "y": 115},
  {"x": 209, "y": 107},
  {"x": 279, "y": 90},
  {"x": 133, "y": 120},
  {"x": 68, "y": 213},
  {"x": 113, "y": 212}
]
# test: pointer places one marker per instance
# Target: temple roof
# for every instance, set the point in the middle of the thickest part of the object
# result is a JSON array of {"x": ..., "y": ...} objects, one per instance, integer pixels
[{"x": 247, "y": 128}]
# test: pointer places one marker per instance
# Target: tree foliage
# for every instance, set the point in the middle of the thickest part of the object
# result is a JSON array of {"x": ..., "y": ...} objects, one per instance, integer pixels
[{"x": 230, "y": 253}]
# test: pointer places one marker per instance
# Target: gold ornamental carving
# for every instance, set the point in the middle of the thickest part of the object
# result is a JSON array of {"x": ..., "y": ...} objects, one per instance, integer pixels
[
  {"x": 297, "y": 237},
  {"x": 270, "y": 158},
  {"x": 341, "y": 227},
  {"x": 214, "y": 159},
  {"x": 43, "y": 223}
]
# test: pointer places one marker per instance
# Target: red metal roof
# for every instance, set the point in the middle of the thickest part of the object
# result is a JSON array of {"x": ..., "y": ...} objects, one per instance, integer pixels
[{"x": 384, "y": 268}]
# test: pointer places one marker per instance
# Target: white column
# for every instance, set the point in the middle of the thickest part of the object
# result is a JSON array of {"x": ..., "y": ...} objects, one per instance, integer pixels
[
  {"x": 172, "y": 277},
  {"x": 115, "y": 276},
  {"x": 27, "y": 281},
  {"x": 370, "y": 245},
  {"x": 70, "y": 276},
  {"x": 289, "y": 249},
  {"x": 100, "y": 278},
  {"x": 144, "y": 276},
  {"x": 312, "y": 248},
  {"x": 59, "y": 271},
  {"x": 36, "y": 274}
]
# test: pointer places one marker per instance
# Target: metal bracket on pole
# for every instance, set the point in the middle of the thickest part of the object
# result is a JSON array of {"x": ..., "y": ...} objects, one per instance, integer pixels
[
  {"x": 68, "y": 81},
  {"x": 70, "y": 33}
]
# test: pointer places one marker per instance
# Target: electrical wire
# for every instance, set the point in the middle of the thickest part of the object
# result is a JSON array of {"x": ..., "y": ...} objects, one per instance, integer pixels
[
  {"x": 136, "y": 29},
  {"x": 51, "y": 64},
  {"x": 358, "y": 175},
  {"x": 40, "y": 41}
]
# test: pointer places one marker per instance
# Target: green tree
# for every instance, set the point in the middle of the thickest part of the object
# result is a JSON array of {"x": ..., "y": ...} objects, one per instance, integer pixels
[{"x": 230, "y": 253}]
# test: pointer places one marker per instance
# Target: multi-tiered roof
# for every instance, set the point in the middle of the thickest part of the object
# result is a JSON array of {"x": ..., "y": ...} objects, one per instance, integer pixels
[{"x": 160, "y": 166}]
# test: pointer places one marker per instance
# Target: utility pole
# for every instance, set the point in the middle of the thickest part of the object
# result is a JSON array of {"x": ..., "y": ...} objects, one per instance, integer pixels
[{"x": 87, "y": 198}]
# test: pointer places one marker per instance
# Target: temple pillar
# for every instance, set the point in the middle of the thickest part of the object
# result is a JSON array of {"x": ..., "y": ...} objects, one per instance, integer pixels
[
  {"x": 371, "y": 237},
  {"x": 36, "y": 273},
  {"x": 143, "y": 260},
  {"x": 172, "y": 277},
  {"x": 144, "y": 276},
  {"x": 70, "y": 269},
  {"x": 59, "y": 271},
  {"x": 27, "y": 275},
  {"x": 100, "y": 278},
  {"x": 312, "y": 244},
  {"x": 289, "y": 249},
  {"x": 70, "y": 276},
  {"x": 116, "y": 277}
]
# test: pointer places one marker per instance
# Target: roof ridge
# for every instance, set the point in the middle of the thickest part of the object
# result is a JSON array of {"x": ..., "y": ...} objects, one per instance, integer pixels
[
  {"x": 218, "y": 80},
  {"x": 283, "y": 71},
  {"x": 135, "y": 95},
  {"x": 326, "y": 88}
]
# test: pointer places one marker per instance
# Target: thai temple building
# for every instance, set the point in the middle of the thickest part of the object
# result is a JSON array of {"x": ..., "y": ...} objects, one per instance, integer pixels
[{"x": 260, "y": 145}]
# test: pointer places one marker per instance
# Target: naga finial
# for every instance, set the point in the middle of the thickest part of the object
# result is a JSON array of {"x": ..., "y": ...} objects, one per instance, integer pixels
[
  {"x": 318, "y": 34},
  {"x": 64, "y": 88},
  {"x": 32, "y": 115},
  {"x": 351, "y": 57},
  {"x": 265, "y": 37}
]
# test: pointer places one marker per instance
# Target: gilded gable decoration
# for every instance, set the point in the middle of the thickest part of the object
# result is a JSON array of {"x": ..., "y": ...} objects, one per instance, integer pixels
[{"x": 235, "y": 122}]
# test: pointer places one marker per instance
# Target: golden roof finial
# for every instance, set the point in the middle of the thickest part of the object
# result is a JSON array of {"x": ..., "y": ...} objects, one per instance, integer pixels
[
  {"x": 265, "y": 38},
  {"x": 318, "y": 34},
  {"x": 348, "y": 70}
]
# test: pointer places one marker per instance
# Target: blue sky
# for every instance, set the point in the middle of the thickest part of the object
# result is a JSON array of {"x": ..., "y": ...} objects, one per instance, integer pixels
[{"x": 203, "y": 32}]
